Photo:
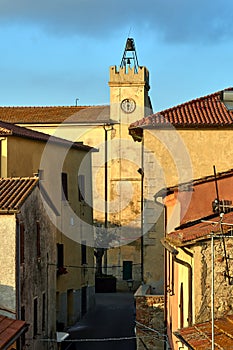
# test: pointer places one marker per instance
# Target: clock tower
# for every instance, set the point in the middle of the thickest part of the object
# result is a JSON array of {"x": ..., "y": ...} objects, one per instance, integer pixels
[
  {"x": 129, "y": 87},
  {"x": 129, "y": 102}
]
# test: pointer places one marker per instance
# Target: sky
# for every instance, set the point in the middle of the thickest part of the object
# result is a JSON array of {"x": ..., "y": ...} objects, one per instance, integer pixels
[{"x": 56, "y": 51}]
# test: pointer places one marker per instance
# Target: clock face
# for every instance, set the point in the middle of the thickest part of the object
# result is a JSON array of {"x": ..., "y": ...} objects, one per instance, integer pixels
[{"x": 128, "y": 105}]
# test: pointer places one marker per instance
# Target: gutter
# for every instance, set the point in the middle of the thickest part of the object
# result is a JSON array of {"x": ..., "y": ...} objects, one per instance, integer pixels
[
  {"x": 183, "y": 341},
  {"x": 174, "y": 253}
]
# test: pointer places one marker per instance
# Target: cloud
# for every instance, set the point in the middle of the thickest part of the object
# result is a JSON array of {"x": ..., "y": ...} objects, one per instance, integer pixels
[{"x": 173, "y": 21}]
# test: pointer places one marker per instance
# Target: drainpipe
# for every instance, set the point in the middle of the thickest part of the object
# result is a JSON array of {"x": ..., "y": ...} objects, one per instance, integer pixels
[
  {"x": 174, "y": 253},
  {"x": 141, "y": 172},
  {"x": 107, "y": 127},
  {"x": 161, "y": 194},
  {"x": 18, "y": 284}
]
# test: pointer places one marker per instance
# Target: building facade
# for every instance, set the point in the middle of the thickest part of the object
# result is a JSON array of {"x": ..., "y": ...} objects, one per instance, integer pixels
[
  {"x": 64, "y": 171},
  {"x": 180, "y": 144},
  {"x": 28, "y": 261},
  {"x": 198, "y": 263}
]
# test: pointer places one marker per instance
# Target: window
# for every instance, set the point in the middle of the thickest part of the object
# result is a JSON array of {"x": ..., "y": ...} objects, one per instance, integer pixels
[
  {"x": 21, "y": 233},
  {"x": 127, "y": 270},
  {"x": 64, "y": 188},
  {"x": 35, "y": 317},
  {"x": 43, "y": 311},
  {"x": 81, "y": 188},
  {"x": 83, "y": 253},
  {"x": 38, "y": 239},
  {"x": 60, "y": 255}
]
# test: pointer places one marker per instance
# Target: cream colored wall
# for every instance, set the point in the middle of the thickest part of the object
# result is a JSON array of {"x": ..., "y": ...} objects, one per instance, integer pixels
[
  {"x": 94, "y": 136},
  {"x": 7, "y": 265},
  {"x": 24, "y": 157},
  {"x": 208, "y": 148},
  {"x": 3, "y": 155},
  {"x": 202, "y": 149},
  {"x": 71, "y": 280},
  {"x": 174, "y": 301},
  {"x": 76, "y": 220}
]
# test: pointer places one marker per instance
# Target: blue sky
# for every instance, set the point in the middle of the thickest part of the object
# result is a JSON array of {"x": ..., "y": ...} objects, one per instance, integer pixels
[{"x": 55, "y": 51}]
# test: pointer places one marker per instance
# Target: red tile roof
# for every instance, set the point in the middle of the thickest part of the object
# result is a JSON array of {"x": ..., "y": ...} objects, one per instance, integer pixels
[
  {"x": 200, "y": 230},
  {"x": 14, "y": 191},
  {"x": 199, "y": 336},
  {"x": 9, "y": 129},
  {"x": 59, "y": 114},
  {"x": 10, "y": 330},
  {"x": 207, "y": 111}
]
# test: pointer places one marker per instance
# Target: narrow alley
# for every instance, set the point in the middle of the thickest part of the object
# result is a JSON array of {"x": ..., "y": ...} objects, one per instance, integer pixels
[{"x": 113, "y": 317}]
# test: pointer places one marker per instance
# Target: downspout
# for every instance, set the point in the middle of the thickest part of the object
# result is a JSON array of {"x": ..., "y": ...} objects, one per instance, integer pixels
[
  {"x": 174, "y": 253},
  {"x": 161, "y": 194},
  {"x": 18, "y": 284},
  {"x": 142, "y": 212},
  {"x": 138, "y": 136},
  {"x": 165, "y": 277},
  {"x": 105, "y": 193},
  {"x": 107, "y": 127}
]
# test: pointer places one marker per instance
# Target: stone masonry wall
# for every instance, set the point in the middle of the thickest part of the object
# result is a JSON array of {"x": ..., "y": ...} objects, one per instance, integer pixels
[
  {"x": 223, "y": 288},
  {"x": 150, "y": 315}
]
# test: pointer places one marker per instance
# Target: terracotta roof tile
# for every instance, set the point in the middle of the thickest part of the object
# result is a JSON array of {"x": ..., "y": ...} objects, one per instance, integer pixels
[
  {"x": 14, "y": 191},
  {"x": 207, "y": 111},
  {"x": 10, "y": 329},
  {"x": 199, "y": 336},
  {"x": 57, "y": 114},
  {"x": 200, "y": 230}
]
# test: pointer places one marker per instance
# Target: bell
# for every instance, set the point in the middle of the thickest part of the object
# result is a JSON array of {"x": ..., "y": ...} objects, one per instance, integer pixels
[
  {"x": 128, "y": 60},
  {"x": 129, "y": 45}
]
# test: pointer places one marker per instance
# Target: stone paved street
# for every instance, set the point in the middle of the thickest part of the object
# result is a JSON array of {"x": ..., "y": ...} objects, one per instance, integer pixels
[{"x": 113, "y": 317}]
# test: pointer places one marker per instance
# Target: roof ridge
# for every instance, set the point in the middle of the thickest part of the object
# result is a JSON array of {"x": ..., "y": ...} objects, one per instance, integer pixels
[
  {"x": 56, "y": 106},
  {"x": 207, "y": 111},
  {"x": 201, "y": 98}
]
